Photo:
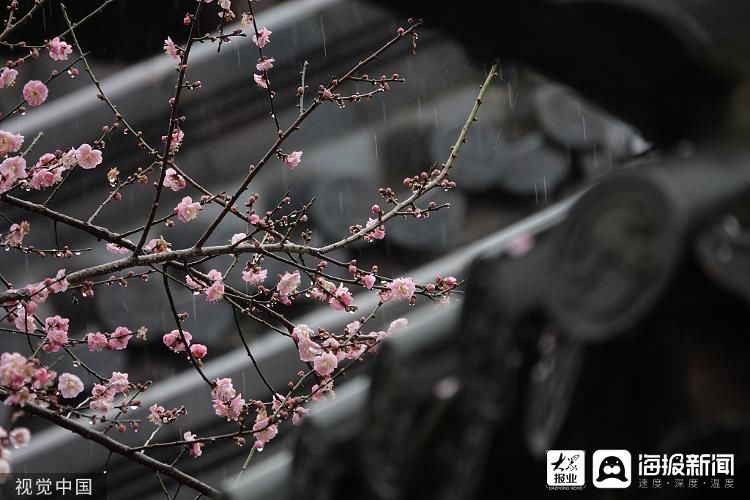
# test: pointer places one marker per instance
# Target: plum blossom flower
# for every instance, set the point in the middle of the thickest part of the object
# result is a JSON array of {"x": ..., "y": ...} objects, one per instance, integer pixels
[
  {"x": 308, "y": 349},
  {"x": 261, "y": 80},
  {"x": 231, "y": 409},
  {"x": 237, "y": 237},
  {"x": 195, "y": 448},
  {"x": 194, "y": 285},
  {"x": 401, "y": 288},
  {"x": 173, "y": 180},
  {"x": 325, "y": 364},
  {"x": 225, "y": 4},
  {"x": 262, "y": 37},
  {"x": 116, "y": 249},
  {"x": 56, "y": 328},
  {"x": 302, "y": 331},
  {"x": 186, "y": 210},
  {"x": 368, "y": 281},
  {"x": 158, "y": 245},
  {"x": 120, "y": 338},
  {"x": 19, "y": 437},
  {"x": 68, "y": 159},
  {"x": 35, "y": 92},
  {"x": 156, "y": 414},
  {"x": 119, "y": 382},
  {"x": 254, "y": 276},
  {"x": 215, "y": 291},
  {"x": 177, "y": 137},
  {"x": 198, "y": 351},
  {"x": 88, "y": 157},
  {"x": 44, "y": 378},
  {"x": 288, "y": 283},
  {"x": 13, "y": 168},
  {"x": 97, "y": 341},
  {"x": 264, "y": 431},
  {"x": 58, "y": 50},
  {"x": 8, "y": 77},
  {"x": 377, "y": 230},
  {"x": 223, "y": 389},
  {"x": 293, "y": 159},
  {"x": 171, "y": 49},
  {"x": 10, "y": 143},
  {"x": 15, "y": 235},
  {"x": 173, "y": 340},
  {"x": 69, "y": 385},
  {"x": 342, "y": 299},
  {"x": 58, "y": 284},
  {"x": 102, "y": 405},
  {"x": 265, "y": 64},
  {"x": 44, "y": 177}
]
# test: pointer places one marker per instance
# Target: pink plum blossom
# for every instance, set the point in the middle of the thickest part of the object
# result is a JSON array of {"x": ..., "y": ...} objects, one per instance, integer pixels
[
  {"x": 223, "y": 389},
  {"x": 173, "y": 180},
  {"x": 262, "y": 37},
  {"x": 195, "y": 448},
  {"x": 186, "y": 210},
  {"x": 288, "y": 283},
  {"x": 293, "y": 159},
  {"x": 171, "y": 49},
  {"x": 97, "y": 341},
  {"x": 116, "y": 249},
  {"x": 198, "y": 351},
  {"x": 264, "y": 431},
  {"x": 325, "y": 364},
  {"x": 215, "y": 291},
  {"x": 8, "y": 77},
  {"x": 402, "y": 288},
  {"x": 35, "y": 92},
  {"x": 342, "y": 299},
  {"x": 58, "y": 50},
  {"x": 120, "y": 338},
  {"x": 254, "y": 276},
  {"x": 19, "y": 437},
  {"x": 13, "y": 168},
  {"x": 10, "y": 143},
  {"x": 102, "y": 405},
  {"x": 231, "y": 409},
  {"x": 15, "y": 235},
  {"x": 173, "y": 340},
  {"x": 119, "y": 382},
  {"x": 308, "y": 350},
  {"x": 368, "y": 281},
  {"x": 177, "y": 137},
  {"x": 87, "y": 157},
  {"x": 376, "y": 230},
  {"x": 261, "y": 80},
  {"x": 158, "y": 245},
  {"x": 155, "y": 414},
  {"x": 302, "y": 331},
  {"x": 44, "y": 177},
  {"x": 69, "y": 385},
  {"x": 265, "y": 64},
  {"x": 44, "y": 378}
]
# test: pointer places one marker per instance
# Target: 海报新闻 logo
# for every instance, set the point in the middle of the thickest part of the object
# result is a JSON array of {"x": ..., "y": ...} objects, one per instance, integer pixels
[{"x": 611, "y": 469}]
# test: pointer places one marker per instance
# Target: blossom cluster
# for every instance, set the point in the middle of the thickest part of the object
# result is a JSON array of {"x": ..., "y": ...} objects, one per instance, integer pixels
[{"x": 47, "y": 171}]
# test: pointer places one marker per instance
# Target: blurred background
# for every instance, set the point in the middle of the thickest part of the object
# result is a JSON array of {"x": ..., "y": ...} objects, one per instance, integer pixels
[{"x": 537, "y": 146}]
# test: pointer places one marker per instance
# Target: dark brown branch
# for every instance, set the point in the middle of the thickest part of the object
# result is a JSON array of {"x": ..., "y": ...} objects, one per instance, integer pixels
[{"x": 121, "y": 449}]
